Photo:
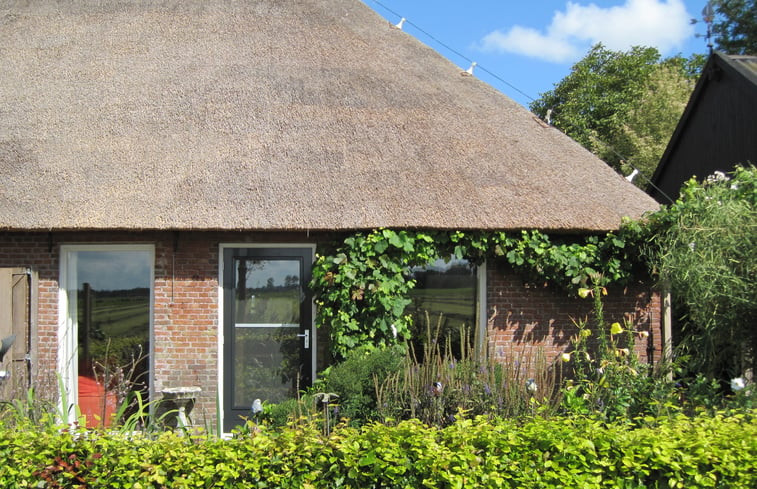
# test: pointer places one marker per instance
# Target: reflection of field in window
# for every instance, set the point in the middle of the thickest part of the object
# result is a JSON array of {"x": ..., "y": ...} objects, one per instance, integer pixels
[
  {"x": 266, "y": 364},
  {"x": 268, "y": 291},
  {"x": 445, "y": 292},
  {"x": 119, "y": 325},
  {"x": 274, "y": 307},
  {"x": 112, "y": 317}
]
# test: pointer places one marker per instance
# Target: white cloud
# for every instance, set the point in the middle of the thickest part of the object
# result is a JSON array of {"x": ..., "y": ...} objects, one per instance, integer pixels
[
  {"x": 529, "y": 42},
  {"x": 663, "y": 24}
]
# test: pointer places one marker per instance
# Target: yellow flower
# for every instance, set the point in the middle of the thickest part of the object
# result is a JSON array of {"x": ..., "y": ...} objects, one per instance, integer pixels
[
  {"x": 616, "y": 328},
  {"x": 565, "y": 357},
  {"x": 584, "y": 293},
  {"x": 585, "y": 333},
  {"x": 644, "y": 334}
]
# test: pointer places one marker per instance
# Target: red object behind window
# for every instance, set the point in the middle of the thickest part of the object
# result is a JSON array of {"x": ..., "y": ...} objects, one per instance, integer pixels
[{"x": 92, "y": 396}]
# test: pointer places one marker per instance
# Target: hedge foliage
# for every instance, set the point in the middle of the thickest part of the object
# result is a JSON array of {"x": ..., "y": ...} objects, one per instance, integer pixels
[{"x": 691, "y": 452}]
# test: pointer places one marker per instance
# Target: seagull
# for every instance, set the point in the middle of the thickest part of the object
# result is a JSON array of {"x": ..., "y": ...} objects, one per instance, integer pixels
[{"x": 469, "y": 71}]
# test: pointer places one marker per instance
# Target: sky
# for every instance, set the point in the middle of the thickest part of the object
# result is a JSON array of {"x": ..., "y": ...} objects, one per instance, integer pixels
[{"x": 523, "y": 48}]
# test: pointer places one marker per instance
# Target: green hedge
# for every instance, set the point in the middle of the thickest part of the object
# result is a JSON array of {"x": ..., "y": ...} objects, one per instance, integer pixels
[{"x": 706, "y": 451}]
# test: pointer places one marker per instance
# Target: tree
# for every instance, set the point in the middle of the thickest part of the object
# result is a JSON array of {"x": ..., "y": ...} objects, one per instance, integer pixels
[
  {"x": 704, "y": 245},
  {"x": 735, "y": 26},
  {"x": 622, "y": 106}
]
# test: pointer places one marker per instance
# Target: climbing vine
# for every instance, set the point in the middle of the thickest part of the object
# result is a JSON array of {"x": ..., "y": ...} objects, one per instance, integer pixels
[{"x": 362, "y": 284}]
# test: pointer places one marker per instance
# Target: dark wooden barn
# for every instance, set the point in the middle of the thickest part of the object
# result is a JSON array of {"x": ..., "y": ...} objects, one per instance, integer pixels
[{"x": 718, "y": 129}]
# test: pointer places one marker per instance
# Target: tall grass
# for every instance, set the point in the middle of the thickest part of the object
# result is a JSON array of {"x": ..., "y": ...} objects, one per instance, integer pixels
[{"x": 445, "y": 383}]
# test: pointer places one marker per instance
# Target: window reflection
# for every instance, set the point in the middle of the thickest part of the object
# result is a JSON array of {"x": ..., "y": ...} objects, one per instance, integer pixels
[
  {"x": 267, "y": 356},
  {"x": 443, "y": 304},
  {"x": 112, "y": 315},
  {"x": 268, "y": 292}
]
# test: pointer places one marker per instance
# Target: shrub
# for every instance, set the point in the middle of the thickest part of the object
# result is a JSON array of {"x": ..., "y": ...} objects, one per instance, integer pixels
[
  {"x": 355, "y": 379},
  {"x": 703, "y": 246},
  {"x": 692, "y": 452},
  {"x": 604, "y": 375}
]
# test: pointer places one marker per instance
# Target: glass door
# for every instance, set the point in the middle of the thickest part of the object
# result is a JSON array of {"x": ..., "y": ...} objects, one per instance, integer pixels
[{"x": 268, "y": 327}]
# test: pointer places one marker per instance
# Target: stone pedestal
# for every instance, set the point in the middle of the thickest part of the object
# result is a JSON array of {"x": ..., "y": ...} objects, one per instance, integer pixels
[{"x": 178, "y": 402}]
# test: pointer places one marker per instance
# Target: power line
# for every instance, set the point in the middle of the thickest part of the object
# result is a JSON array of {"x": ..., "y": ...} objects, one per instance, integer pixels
[
  {"x": 404, "y": 20},
  {"x": 452, "y": 50}
]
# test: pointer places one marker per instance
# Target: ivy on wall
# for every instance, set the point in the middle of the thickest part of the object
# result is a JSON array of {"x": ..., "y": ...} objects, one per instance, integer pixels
[{"x": 362, "y": 284}]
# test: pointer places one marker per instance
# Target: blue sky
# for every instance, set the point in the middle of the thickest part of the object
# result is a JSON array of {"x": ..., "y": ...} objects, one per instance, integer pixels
[{"x": 528, "y": 46}]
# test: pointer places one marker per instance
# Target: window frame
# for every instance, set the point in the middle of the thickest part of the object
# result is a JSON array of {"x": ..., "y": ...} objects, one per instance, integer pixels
[
  {"x": 67, "y": 365},
  {"x": 480, "y": 309}
]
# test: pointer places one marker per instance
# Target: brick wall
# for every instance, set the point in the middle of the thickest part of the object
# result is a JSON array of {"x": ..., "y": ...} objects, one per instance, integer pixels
[
  {"x": 529, "y": 315},
  {"x": 185, "y": 307},
  {"x": 186, "y": 318}
]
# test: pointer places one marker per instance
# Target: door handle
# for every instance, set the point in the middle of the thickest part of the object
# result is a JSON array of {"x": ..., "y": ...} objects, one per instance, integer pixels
[{"x": 305, "y": 335}]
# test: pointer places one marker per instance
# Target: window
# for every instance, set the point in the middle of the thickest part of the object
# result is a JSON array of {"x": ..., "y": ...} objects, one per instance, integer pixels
[
  {"x": 106, "y": 303},
  {"x": 444, "y": 304}
]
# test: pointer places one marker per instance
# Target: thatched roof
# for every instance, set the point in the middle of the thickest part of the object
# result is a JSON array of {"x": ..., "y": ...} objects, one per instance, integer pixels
[{"x": 287, "y": 115}]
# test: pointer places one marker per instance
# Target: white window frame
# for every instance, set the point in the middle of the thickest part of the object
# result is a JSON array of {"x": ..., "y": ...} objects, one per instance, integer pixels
[
  {"x": 68, "y": 333},
  {"x": 482, "y": 297}
]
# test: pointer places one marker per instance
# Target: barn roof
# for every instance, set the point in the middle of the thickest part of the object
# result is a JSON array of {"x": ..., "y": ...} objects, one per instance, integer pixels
[{"x": 270, "y": 115}]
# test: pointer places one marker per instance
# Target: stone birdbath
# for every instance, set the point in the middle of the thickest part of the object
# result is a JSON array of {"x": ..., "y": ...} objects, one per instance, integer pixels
[{"x": 182, "y": 400}]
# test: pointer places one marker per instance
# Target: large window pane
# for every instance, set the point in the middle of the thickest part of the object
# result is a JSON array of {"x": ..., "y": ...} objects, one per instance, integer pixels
[
  {"x": 112, "y": 316},
  {"x": 444, "y": 303},
  {"x": 266, "y": 353},
  {"x": 266, "y": 364},
  {"x": 267, "y": 292}
]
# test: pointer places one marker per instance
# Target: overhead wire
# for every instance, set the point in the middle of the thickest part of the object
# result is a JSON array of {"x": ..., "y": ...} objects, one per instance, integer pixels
[
  {"x": 405, "y": 20},
  {"x": 453, "y": 50}
]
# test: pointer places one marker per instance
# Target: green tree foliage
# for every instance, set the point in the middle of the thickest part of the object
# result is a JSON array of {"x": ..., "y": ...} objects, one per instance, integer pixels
[
  {"x": 735, "y": 26},
  {"x": 704, "y": 246},
  {"x": 622, "y": 106},
  {"x": 650, "y": 121}
]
